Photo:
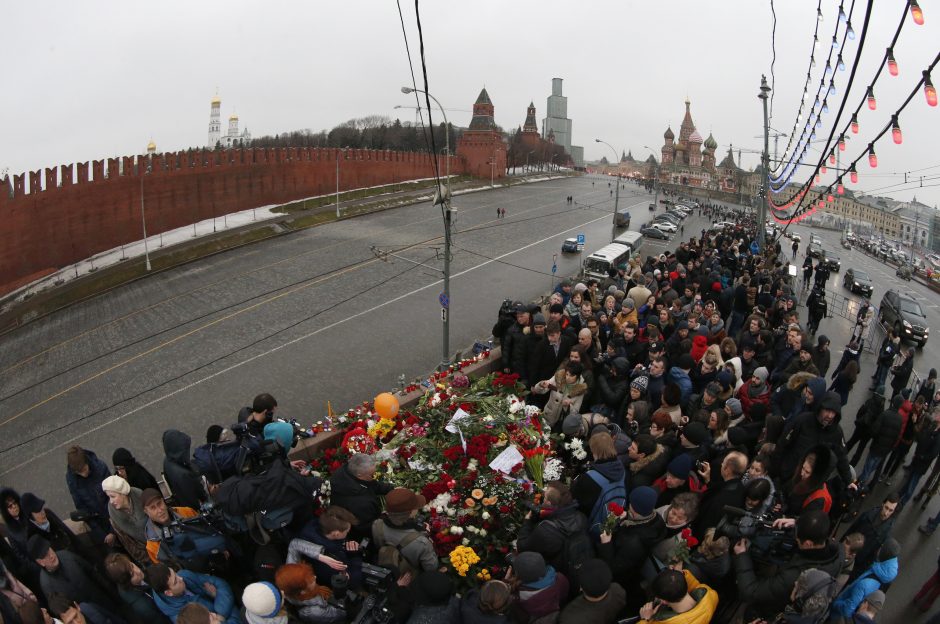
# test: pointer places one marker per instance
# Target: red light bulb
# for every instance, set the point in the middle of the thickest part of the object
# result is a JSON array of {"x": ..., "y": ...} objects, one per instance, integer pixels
[
  {"x": 853, "y": 175},
  {"x": 872, "y": 157},
  {"x": 820, "y": 204},
  {"x": 822, "y": 170},
  {"x": 854, "y": 124},
  {"x": 816, "y": 179},
  {"x": 840, "y": 189},
  {"x": 896, "y": 130},
  {"x": 830, "y": 198},
  {"x": 832, "y": 158},
  {"x": 892, "y": 63},
  {"x": 841, "y": 143},
  {"x": 872, "y": 104},
  {"x": 917, "y": 14},
  {"x": 929, "y": 91}
]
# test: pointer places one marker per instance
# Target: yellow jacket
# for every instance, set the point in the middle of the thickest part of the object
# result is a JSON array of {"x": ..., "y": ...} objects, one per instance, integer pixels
[{"x": 706, "y": 603}]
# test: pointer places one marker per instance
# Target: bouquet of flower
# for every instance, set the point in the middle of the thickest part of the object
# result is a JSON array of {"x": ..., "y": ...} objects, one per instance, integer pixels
[
  {"x": 685, "y": 542},
  {"x": 615, "y": 511},
  {"x": 462, "y": 558},
  {"x": 535, "y": 463}
]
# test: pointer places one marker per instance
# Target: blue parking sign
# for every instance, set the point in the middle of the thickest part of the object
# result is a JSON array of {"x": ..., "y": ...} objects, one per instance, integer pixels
[{"x": 580, "y": 239}]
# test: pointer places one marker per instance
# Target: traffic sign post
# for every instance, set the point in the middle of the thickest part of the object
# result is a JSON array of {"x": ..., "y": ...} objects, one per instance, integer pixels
[
  {"x": 443, "y": 300},
  {"x": 444, "y": 315}
]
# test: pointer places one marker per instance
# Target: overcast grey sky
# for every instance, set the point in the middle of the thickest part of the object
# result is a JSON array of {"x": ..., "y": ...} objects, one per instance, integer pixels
[{"x": 88, "y": 80}]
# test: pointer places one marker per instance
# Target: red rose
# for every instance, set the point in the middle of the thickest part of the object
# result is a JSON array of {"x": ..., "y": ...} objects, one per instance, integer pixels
[{"x": 615, "y": 508}]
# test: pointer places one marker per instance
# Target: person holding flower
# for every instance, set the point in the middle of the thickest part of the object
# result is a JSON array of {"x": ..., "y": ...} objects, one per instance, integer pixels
[{"x": 626, "y": 549}]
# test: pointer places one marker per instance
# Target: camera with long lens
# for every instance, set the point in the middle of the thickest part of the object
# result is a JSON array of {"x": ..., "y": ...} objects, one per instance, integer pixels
[
  {"x": 374, "y": 610},
  {"x": 768, "y": 544}
]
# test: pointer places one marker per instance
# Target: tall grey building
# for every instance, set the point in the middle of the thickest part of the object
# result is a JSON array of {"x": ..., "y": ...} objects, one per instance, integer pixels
[{"x": 556, "y": 122}]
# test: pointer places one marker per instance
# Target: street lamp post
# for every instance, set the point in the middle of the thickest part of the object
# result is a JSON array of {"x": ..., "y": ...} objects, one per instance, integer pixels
[
  {"x": 143, "y": 219},
  {"x": 613, "y": 227},
  {"x": 765, "y": 162},
  {"x": 442, "y": 196}
]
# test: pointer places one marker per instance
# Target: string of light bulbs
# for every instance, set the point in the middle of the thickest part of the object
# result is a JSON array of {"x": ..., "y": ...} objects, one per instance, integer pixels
[
  {"x": 811, "y": 64},
  {"x": 848, "y": 88},
  {"x": 826, "y": 195},
  {"x": 779, "y": 183},
  {"x": 929, "y": 92}
]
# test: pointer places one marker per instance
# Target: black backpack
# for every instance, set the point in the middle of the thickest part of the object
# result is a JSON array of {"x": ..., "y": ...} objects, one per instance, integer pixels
[
  {"x": 576, "y": 551},
  {"x": 505, "y": 318}
]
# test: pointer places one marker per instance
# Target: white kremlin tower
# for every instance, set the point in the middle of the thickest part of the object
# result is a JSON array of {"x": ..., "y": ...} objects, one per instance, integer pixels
[
  {"x": 233, "y": 137},
  {"x": 215, "y": 122}
]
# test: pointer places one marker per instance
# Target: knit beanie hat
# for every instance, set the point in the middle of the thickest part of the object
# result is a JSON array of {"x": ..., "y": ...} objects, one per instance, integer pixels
[
  {"x": 640, "y": 383},
  {"x": 115, "y": 483},
  {"x": 262, "y": 599},
  {"x": 761, "y": 373},
  {"x": 571, "y": 426},
  {"x": 713, "y": 388},
  {"x": 876, "y": 599},
  {"x": 643, "y": 500},
  {"x": 282, "y": 432},
  {"x": 595, "y": 578},
  {"x": 735, "y": 406},
  {"x": 696, "y": 432},
  {"x": 629, "y": 303},
  {"x": 529, "y": 567},
  {"x": 30, "y": 503},
  {"x": 889, "y": 550},
  {"x": 725, "y": 379},
  {"x": 680, "y": 466}
]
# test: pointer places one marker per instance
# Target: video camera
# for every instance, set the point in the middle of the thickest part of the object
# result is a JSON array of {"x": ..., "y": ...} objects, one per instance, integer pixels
[
  {"x": 377, "y": 580},
  {"x": 768, "y": 544}
]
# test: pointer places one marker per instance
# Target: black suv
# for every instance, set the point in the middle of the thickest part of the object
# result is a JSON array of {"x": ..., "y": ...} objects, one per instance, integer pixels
[
  {"x": 905, "y": 316},
  {"x": 831, "y": 261},
  {"x": 857, "y": 281},
  {"x": 814, "y": 250}
]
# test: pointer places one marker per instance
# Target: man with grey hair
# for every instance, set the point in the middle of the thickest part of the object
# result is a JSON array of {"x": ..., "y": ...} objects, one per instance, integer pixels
[{"x": 354, "y": 487}]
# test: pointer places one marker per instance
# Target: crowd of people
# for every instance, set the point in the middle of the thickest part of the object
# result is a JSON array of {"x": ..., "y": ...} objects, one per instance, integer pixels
[{"x": 715, "y": 481}]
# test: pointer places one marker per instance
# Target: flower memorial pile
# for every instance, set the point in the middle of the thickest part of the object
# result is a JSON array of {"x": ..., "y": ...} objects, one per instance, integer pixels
[{"x": 474, "y": 450}]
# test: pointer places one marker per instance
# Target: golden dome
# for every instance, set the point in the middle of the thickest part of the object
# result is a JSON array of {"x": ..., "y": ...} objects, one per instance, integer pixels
[
  {"x": 233, "y": 117},
  {"x": 151, "y": 146},
  {"x": 216, "y": 100}
]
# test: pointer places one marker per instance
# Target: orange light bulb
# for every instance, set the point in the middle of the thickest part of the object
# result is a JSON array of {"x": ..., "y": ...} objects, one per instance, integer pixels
[
  {"x": 872, "y": 104},
  {"x": 853, "y": 175},
  {"x": 854, "y": 124},
  {"x": 872, "y": 157},
  {"x": 917, "y": 14},
  {"x": 929, "y": 91}
]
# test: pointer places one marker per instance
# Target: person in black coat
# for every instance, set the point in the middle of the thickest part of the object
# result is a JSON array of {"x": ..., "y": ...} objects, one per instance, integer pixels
[
  {"x": 902, "y": 371},
  {"x": 181, "y": 476},
  {"x": 514, "y": 343},
  {"x": 84, "y": 476},
  {"x": 638, "y": 531},
  {"x": 354, "y": 487},
  {"x": 886, "y": 432},
  {"x": 810, "y": 429},
  {"x": 612, "y": 386},
  {"x": 557, "y": 519},
  {"x": 866, "y": 416},
  {"x": 925, "y": 453},
  {"x": 548, "y": 354},
  {"x": 726, "y": 490},
  {"x": 127, "y": 467}
]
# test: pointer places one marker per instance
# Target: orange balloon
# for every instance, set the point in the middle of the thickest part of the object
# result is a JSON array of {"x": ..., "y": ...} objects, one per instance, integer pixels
[{"x": 386, "y": 405}]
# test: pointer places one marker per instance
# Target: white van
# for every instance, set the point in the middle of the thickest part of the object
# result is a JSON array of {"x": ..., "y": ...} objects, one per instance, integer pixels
[
  {"x": 598, "y": 263},
  {"x": 633, "y": 240}
]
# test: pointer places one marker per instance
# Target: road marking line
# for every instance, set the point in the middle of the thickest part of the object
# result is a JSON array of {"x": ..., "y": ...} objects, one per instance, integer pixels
[
  {"x": 238, "y": 312},
  {"x": 279, "y": 347}
]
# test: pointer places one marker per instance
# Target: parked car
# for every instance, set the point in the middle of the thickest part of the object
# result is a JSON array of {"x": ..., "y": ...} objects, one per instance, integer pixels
[
  {"x": 679, "y": 213},
  {"x": 665, "y": 226},
  {"x": 905, "y": 315},
  {"x": 669, "y": 217},
  {"x": 720, "y": 225},
  {"x": 858, "y": 281},
  {"x": 905, "y": 271},
  {"x": 814, "y": 250},
  {"x": 815, "y": 240},
  {"x": 831, "y": 261},
  {"x": 651, "y": 232},
  {"x": 570, "y": 245}
]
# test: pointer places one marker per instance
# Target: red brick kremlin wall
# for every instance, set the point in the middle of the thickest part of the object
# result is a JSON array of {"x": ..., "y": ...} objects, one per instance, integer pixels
[{"x": 72, "y": 212}]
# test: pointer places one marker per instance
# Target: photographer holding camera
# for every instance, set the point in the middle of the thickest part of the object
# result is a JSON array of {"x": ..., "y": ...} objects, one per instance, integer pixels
[
  {"x": 182, "y": 537},
  {"x": 770, "y": 594}
]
